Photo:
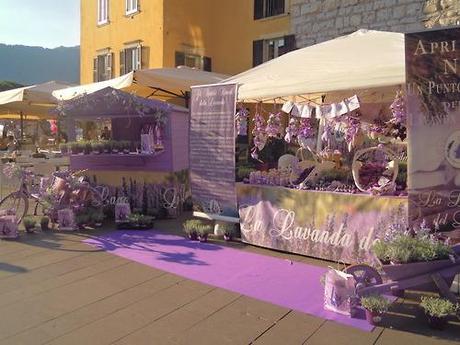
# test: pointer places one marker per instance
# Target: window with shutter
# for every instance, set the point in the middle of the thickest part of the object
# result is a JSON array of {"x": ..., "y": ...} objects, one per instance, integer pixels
[
  {"x": 193, "y": 61},
  {"x": 132, "y": 58}
]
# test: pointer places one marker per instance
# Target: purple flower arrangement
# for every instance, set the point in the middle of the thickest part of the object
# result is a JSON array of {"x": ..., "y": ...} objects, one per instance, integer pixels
[
  {"x": 274, "y": 125},
  {"x": 259, "y": 135}
]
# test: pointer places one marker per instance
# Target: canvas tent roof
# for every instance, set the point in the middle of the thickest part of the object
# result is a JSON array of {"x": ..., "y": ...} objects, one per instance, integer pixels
[
  {"x": 362, "y": 60},
  {"x": 175, "y": 80},
  {"x": 33, "y": 100},
  {"x": 110, "y": 103}
]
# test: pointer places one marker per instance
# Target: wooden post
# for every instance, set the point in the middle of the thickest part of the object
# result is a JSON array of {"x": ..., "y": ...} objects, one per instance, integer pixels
[{"x": 22, "y": 124}]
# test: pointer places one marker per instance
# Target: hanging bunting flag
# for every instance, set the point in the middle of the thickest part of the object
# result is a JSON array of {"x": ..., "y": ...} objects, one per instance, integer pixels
[
  {"x": 306, "y": 111},
  {"x": 287, "y": 107},
  {"x": 352, "y": 103},
  {"x": 297, "y": 110}
]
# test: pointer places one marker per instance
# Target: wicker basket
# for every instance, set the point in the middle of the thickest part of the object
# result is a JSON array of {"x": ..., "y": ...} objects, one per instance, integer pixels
[{"x": 356, "y": 166}]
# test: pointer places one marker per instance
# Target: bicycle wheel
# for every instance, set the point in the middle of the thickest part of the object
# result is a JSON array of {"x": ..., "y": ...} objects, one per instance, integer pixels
[{"x": 16, "y": 202}]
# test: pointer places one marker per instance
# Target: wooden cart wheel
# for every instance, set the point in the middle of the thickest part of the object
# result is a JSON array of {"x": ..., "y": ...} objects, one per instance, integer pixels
[{"x": 364, "y": 275}]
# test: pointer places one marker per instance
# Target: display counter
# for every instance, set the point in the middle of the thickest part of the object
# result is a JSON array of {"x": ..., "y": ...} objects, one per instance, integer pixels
[
  {"x": 328, "y": 225},
  {"x": 123, "y": 162}
]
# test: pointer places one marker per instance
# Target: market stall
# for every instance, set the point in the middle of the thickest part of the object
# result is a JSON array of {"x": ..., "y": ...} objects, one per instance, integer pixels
[
  {"x": 137, "y": 147},
  {"x": 321, "y": 151},
  {"x": 139, "y": 134}
]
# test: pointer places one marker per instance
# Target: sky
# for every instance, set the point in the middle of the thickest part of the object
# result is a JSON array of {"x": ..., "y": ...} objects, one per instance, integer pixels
[{"x": 45, "y": 23}]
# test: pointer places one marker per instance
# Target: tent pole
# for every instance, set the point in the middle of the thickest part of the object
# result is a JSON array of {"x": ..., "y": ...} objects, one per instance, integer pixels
[{"x": 22, "y": 124}]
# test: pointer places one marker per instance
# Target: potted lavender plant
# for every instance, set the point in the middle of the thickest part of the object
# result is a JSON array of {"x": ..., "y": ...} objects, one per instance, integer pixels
[
  {"x": 97, "y": 148},
  {"x": 87, "y": 148},
  {"x": 29, "y": 224},
  {"x": 203, "y": 232},
  {"x": 228, "y": 230},
  {"x": 191, "y": 228},
  {"x": 116, "y": 147},
  {"x": 107, "y": 146},
  {"x": 64, "y": 148},
  {"x": 74, "y": 148},
  {"x": 437, "y": 311},
  {"x": 125, "y": 145},
  {"x": 44, "y": 223},
  {"x": 375, "y": 306}
]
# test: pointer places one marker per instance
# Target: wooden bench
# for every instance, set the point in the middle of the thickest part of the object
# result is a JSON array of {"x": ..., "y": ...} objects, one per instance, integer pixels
[{"x": 217, "y": 218}]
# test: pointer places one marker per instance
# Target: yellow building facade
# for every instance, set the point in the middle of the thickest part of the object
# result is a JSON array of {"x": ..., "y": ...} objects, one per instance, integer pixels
[{"x": 222, "y": 36}]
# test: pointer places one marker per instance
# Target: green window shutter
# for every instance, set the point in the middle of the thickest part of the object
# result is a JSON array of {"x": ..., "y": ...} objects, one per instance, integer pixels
[
  {"x": 258, "y": 9},
  {"x": 257, "y": 52},
  {"x": 145, "y": 56},
  {"x": 207, "y": 64},
  {"x": 95, "y": 69},
  {"x": 122, "y": 62}
]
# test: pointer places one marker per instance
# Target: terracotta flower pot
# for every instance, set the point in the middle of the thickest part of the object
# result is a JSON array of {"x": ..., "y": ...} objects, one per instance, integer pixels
[
  {"x": 436, "y": 322},
  {"x": 373, "y": 317}
]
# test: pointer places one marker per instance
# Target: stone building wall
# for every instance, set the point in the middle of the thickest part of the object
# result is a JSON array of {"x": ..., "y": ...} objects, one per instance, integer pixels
[{"x": 315, "y": 21}]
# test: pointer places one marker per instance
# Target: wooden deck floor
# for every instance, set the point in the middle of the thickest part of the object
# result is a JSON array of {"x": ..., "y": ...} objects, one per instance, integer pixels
[{"x": 56, "y": 290}]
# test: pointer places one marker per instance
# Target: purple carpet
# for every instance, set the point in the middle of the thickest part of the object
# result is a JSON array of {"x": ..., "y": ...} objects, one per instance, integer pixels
[{"x": 282, "y": 282}]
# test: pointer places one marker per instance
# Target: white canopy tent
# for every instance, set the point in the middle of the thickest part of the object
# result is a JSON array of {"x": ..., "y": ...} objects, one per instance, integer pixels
[
  {"x": 35, "y": 100},
  {"x": 362, "y": 60},
  {"x": 172, "y": 81}
]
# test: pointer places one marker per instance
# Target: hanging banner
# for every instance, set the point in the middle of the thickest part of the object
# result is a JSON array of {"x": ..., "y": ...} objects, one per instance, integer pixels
[
  {"x": 333, "y": 226},
  {"x": 433, "y": 106},
  {"x": 212, "y": 148}
]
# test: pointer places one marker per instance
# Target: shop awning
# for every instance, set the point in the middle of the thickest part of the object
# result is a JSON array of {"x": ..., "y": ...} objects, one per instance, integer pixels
[
  {"x": 172, "y": 81},
  {"x": 34, "y": 100},
  {"x": 122, "y": 82},
  {"x": 112, "y": 103},
  {"x": 362, "y": 60}
]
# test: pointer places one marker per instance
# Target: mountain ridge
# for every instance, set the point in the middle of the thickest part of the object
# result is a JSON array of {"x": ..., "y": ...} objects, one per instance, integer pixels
[{"x": 29, "y": 65}]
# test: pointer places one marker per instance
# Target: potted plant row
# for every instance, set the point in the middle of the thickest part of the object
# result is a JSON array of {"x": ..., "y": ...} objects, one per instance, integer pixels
[
  {"x": 89, "y": 217},
  {"x": 437, "y": 310},
  {"x": 137, "y": 221},
  {"x": 98, "y": 147},
  {"x": 30, "y": 223}
]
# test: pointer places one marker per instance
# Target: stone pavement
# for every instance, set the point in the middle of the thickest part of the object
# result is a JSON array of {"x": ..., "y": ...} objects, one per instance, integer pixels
[{"x": 56, "y": 290}]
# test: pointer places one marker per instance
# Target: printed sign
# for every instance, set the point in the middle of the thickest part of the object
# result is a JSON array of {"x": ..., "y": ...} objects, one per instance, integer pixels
[
  {"x": 334, "y": 226},
  {"x": 212, "y": 147},
  {"x": 433, "y": 105}
]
